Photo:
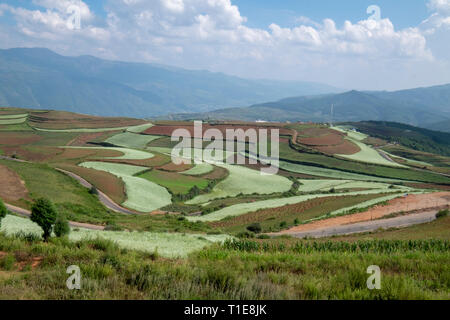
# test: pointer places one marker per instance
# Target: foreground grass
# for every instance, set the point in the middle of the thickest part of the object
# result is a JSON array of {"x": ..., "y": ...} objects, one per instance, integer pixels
[{"x": 233, "y": 271}]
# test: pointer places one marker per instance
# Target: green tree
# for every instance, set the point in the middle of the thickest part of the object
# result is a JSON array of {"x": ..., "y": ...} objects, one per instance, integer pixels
[
  {"x": 3, "y": 211},
  {"x": 44, "y": 214},
  {"x": 61, "y": 227}
]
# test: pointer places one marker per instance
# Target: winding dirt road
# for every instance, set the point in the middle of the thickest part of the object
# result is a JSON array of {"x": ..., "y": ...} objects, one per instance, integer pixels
[{"x": 107, "y": 202}]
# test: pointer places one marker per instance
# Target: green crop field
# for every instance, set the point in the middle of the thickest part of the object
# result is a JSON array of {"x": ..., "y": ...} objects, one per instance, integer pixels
[
  {"x": 368, "y": 155},
  {"x": 243, "y": 208},
  {"x": 142, "y": 195},
  {"x": 128, "y": 154},
  {"x": 246, "y": 181},
  {"x": 170, "y": 245},
  {"x": 12, "y": 121},
  {"x": 139, "y": 128},
  {"x": 131, "y": 140},
  {"x": 13, "y": 116},
  {"x": 175, "y": 182},
  {"x": 68, "y": 195},
  {"x": 199, "y": 169},
  {"x": 325, "y": 185}
]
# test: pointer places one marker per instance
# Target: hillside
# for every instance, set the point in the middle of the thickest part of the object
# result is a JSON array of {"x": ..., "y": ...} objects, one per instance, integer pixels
[
  {"x": 40, "y": 78},
  {"x": 419, "y": 107}
]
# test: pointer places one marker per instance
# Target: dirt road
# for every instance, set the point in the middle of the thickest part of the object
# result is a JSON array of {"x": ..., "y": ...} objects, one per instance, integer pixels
[
  {"x": 367, "y": 226},
  {"x": 107, "y": 202},
  {"x": 73, "y": 224},
  {"x": 421, "y": 203}
]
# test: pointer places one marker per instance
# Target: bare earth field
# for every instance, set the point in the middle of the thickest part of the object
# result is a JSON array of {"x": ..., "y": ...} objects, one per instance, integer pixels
[
  {"x": 12, "y": 188},
  {"x": 405, "y": 204}
]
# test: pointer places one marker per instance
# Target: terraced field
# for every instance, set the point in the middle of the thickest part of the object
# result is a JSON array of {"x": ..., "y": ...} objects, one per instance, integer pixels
[
  {"x": 131, "y": 140},
  {"x": 128, "y": 154},
  {"x": 243, "y": 208},
  {"x": 142, "y": 195},
  {"x": 245, "y": 181}
]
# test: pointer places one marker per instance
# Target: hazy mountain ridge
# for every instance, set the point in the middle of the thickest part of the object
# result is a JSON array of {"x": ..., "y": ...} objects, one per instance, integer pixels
[
  {"x": 424, "y": 107},
  {"x": 42, "y": 78}
]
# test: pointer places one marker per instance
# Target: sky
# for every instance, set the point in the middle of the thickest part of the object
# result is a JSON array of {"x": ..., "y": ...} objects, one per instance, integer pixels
[{"x": 399, "y": 44}]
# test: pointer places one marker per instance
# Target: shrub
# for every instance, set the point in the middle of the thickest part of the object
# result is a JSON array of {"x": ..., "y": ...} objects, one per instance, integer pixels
[
  {"x": 112, "y": 226},
  {"x": 3, "y": 211},
  {"x": 61, "y": 227},
  {"x": 8, "y": 262},
  {"x": 44, "y": 214},
  {"x": 263, "y": 236},
  {"x": 442, "y": 213},
  {"x": 93, "y": 191},
  {"x": 254, "y": 227},
  {"x": 283, "y": 224}
]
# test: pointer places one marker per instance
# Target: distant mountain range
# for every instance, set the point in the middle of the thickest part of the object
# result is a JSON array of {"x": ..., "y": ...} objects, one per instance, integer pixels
[
  {"x": 40, "y": 78},
  {"x": 424, "y": 107}
]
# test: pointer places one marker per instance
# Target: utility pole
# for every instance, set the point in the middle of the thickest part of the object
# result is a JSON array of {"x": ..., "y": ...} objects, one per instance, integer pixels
[{"x": 332, "y": 110}]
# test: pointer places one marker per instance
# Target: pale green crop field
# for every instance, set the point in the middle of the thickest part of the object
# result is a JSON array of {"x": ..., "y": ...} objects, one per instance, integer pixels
[
  {"x": 420, "y": 163},
  {"x": 13, "y": 121},
  {"x": 169, "y": 245},
  {"x": 199, "y": 169},
  {"x": 325, "y": 185},
  {"x": 352, "y": 134},
  {"x": 128, "y": 154},
  {"x": 139, "y": 128},
  {"x": 243, "y": 208},
  {"x": 142, "y": 195},
  {"x": 246, "y": 181},
  {"x": 330, "y": 173},
  {"x": 369, "y": 155},
  {"x": 131, "y": 140},
  {"x": 13, "y": 116}
]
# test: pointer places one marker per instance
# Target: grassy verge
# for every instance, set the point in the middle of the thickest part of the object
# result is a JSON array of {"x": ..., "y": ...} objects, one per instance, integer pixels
[{"x": 234, "y": 271}]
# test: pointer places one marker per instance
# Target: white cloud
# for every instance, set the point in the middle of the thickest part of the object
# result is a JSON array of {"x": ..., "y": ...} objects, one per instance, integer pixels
[{"x": 212, "y": 34}]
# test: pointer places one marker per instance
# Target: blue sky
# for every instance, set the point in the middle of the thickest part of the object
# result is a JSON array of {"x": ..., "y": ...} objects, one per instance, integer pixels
[
  {"x": 328, "y": 41},
  {"x": 261, "y": 13}
]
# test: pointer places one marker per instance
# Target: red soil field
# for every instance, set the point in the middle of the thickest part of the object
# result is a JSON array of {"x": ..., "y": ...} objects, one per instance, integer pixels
[
  {"x": 12, "y": 188},
  {"x": 167, "y": 130},
  {"x": 172, "y": 167},
  {"x": 31, "y": 153},
  {"x": 68, "y": 120},
  {"x": 18, "y": 138},
  {"x": 112, "y": 186},
  {"x": 406, "y": 204},
  {"x": 346, "y": 147}
]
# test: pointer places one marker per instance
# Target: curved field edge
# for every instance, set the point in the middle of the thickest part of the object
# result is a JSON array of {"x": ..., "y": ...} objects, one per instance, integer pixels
[
  {"x": 199, "y": 169},
  {"x": 243, "y": 208},
  {"x": 134, "y": 129},
  {"x": 170, "y": 245},
  {"x": 246, "y": 181},
  {"x": 128, "y": 154},
  {"x": 142, "y": 195}
]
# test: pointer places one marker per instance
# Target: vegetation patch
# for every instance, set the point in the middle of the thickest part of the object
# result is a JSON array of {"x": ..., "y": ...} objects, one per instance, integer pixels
[
  {"x": 142, "y": 195},
  {"x": 131, "y": 140}
]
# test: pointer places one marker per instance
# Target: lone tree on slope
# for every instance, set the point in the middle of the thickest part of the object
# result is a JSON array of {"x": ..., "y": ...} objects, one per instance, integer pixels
[{"x": 44, "y": 214}]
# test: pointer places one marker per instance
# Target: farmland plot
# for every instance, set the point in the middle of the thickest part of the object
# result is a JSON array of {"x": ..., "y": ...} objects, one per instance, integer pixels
[
  {"x": 12, "y": 121},
  {"x": 246, "y": 181},
  {"x": 142, "y": 195},
  {"x": 243, "y": 208},
  {"x": 128, "y": 154},
  {"x": 369, "y": 155},
  {"x": 131, "y": 140},
  {"x": 140, "y": 128},
  {"x": 170, "y": 245},
  {"x": 13, "y": 116},
  {"x": 199, "y": 169}
]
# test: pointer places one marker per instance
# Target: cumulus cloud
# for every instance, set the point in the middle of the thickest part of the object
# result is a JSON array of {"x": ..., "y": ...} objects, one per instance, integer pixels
[{"x": 212, "y": 34}]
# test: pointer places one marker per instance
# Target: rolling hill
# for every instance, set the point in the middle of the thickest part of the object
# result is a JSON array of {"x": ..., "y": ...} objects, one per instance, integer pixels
[
  {"x": 40, "y": 78},
  {"x": 419, "y": 107}
]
